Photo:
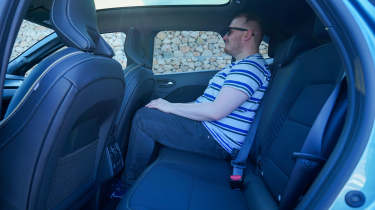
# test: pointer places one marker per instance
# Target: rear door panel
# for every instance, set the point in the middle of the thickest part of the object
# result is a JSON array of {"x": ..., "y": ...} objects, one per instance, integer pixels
[{"x": 182, "y": 87}]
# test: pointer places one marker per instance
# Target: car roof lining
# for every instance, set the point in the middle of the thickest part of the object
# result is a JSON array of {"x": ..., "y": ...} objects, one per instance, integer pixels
[
  {"x": 280, "y": 19},
  {"x": 281, "y": 16}
]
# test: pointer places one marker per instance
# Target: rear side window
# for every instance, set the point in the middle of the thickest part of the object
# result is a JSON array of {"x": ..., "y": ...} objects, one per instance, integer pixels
[
  {"x": 117, "y": 41},
  {"x": 263, "y": 49},
  {"x": 188, "y": 51},
  {"x": 31, "y": 33},
  {"x": 28, "y": 35}
]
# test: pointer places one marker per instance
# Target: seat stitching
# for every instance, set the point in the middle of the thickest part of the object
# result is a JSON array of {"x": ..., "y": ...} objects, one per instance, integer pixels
[{"x": 28, "y": 93}]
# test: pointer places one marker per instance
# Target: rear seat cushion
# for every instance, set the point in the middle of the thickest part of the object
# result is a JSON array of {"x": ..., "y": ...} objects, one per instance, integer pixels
[
  {"x": 255, "y": 191},
  {"x": 180, "y": 180}
]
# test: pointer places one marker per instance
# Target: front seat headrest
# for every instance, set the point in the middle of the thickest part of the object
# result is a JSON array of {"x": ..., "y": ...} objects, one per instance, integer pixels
[{"x": 76, "y": 24}]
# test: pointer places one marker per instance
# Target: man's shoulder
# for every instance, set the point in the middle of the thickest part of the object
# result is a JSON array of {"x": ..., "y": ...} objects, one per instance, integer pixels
[{"x": 254, "y": 64}]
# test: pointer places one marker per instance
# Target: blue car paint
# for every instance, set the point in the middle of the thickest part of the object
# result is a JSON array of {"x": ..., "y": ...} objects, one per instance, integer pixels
[{"x": 363, "y": 177}]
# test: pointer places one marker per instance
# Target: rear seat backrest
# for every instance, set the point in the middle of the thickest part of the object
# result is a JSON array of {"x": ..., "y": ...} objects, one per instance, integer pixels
[
  {"x": 286, "y": 51},
  {"x": 139, "y": 87},
  {"x": 297, "y": 94}
]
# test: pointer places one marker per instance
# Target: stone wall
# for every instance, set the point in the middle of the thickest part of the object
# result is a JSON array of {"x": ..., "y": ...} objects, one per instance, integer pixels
[
  {"x": 174, "y": 51},
  {"x": 117, "y": 42},
  {"x": 188, "y": 51},
  {"x": 28, "y": 35}
]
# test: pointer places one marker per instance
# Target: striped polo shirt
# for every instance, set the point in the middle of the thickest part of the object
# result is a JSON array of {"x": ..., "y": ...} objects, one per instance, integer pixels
[{"x": 249, "y": 75}]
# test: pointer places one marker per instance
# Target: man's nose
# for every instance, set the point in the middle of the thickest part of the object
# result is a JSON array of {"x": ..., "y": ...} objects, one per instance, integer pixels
[{"x": 225, "y": 37}]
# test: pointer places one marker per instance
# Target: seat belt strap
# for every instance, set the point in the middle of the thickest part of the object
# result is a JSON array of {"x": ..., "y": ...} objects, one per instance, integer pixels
[
  {"x": 311, "y": 149},
  {"x": 239, "y": 163}
]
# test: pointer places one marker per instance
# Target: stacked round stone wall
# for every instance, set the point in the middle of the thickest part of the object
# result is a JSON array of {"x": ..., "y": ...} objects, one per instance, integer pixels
[
  {"x": 28, "y": 35},
  {"x": 186, "y": 51},
  {"x": 117, "y": 42}
]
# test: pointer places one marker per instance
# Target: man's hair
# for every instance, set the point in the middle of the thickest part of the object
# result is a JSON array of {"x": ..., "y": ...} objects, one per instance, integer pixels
[{"x": 251, "y": 17}]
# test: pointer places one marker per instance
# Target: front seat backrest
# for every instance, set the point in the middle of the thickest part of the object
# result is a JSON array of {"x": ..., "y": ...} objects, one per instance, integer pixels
[{"x": 57, "y": 124}]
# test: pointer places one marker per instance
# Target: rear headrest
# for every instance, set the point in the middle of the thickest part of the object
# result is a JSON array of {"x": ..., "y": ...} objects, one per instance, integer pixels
[
  {"x": 75, "y": 23},
  {"x": 320, "y": 33},
  {"x": 286, "y": 51},
  {"x": 133, "y": 47}
]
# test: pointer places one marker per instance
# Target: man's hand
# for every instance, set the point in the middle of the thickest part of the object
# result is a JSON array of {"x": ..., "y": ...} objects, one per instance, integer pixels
[
  {"x": 227, "y": 101},
  {"x": 160, "y": 104}
]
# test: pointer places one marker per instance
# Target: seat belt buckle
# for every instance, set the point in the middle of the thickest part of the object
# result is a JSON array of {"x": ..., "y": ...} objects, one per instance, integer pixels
[{"x": 236, "y": 182}]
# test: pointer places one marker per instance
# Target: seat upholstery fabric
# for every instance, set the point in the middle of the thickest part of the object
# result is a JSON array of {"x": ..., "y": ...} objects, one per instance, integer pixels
[
  {"x": 57, "y": 126},
  {"x": 304, "y": 84},
  {"x": 180, "y": 180},
  {"x": 75, "y": 23}
]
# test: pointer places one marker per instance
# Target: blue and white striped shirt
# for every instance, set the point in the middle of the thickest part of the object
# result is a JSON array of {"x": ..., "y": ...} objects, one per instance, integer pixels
[{"x": 249, "y": 75}]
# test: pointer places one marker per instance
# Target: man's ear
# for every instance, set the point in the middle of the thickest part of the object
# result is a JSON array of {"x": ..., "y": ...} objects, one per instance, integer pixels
[{"x": 248, "y": 35}]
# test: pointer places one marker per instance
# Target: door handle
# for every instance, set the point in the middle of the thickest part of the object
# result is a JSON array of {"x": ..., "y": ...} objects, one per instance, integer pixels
[{"x": 166, "y": 83}]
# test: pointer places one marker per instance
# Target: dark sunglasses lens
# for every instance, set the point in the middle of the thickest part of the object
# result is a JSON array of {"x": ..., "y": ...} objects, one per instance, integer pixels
[{"x": 226, "y": 32}]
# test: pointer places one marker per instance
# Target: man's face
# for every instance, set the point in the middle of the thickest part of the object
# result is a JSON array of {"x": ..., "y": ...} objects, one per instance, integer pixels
[{"x": 232, "y": 39}]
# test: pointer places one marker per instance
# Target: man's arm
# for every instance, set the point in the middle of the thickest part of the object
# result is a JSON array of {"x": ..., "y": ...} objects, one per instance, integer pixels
[{"x": 225, "y": 103}]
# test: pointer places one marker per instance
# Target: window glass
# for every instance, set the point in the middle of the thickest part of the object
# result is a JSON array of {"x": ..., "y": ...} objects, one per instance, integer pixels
[
  {"x": 117, "y": 42},
  {"x": 105, "y": 4},
  {"x": 188, "y": 51},
  {"x": 29, "y": 34},
  {"x": 263, "y": 49}
]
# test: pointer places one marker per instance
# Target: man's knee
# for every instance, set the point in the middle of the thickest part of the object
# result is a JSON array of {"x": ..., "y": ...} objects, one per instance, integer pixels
[
  {"x": 139, "y": 117},
  {"x": 144, "y": 118}
]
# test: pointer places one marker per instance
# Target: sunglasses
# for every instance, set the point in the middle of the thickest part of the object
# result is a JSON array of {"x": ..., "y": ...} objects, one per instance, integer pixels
[{"x": 228, "y": 30}]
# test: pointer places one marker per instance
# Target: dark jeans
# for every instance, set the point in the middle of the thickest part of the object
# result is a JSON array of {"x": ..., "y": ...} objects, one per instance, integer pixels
[{"x": 152, "y": 126}]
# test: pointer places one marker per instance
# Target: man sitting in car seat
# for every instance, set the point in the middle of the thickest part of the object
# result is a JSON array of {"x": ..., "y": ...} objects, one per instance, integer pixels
[{"x": 216, "y": 123}]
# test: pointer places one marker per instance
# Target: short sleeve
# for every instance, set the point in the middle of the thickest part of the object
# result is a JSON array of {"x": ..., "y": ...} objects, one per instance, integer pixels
[{"x": 245, "y": 77}]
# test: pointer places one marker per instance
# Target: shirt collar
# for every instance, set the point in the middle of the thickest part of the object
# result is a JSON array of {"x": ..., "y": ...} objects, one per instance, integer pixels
[{"x": 248, "y": 57}]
